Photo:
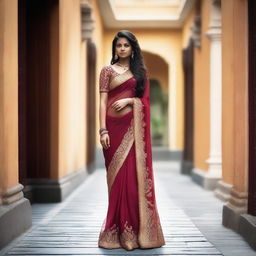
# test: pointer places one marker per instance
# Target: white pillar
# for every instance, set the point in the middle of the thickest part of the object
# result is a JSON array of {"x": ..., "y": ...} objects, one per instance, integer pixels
[{"x": 214, "y": 34}]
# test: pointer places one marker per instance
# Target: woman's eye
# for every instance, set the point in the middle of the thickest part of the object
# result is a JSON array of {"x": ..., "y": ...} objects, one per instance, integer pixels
[{"x": 125, "y": 45}]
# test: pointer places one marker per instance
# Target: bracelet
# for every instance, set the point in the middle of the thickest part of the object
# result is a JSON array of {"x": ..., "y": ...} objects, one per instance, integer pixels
[
  {"x": 102, "y": 129},
  {"x": 103, "y": 132}
]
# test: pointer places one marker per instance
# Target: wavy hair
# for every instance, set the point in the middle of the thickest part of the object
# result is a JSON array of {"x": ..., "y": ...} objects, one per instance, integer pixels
[{"x": 137, "y": 65}]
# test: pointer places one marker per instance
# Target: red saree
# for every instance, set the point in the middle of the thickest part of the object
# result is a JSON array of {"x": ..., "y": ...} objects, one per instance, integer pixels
[{"x": 132, "y": 219}]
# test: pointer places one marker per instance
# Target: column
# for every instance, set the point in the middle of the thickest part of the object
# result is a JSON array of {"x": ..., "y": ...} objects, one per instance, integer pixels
[
  {"x": 214, "y": 34},
  {"x": 15, "y": 210}
]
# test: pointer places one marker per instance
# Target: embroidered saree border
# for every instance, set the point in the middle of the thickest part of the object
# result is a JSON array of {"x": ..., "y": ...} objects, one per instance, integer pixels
[
  {"x": 150, "y": 233},
  {"x": 120, "y": 79},
  {"x": 120, "y": 155},
  {"x": 112, "y": 239}
]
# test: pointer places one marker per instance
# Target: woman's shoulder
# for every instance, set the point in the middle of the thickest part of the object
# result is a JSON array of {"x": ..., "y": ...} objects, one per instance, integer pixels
[{"x": 106, "y": 68}]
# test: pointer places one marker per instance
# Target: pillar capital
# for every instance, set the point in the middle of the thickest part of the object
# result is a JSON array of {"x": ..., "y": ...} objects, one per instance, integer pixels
[
  {"x": 87, "y": 21},
  {"x": 214, "y": 33}
]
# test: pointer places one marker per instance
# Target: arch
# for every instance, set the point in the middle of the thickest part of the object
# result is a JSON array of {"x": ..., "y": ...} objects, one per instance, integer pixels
[{"x": 159, "y": 80}]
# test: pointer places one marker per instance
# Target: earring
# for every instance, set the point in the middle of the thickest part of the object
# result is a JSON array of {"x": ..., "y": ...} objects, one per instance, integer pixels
[
  {"x": 132, "y": 55},
  {"x": 116, "y": 56}
]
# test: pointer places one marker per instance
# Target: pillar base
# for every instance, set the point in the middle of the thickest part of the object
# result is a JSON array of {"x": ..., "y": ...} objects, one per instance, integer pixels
[
  {"x": 15, "y": 218},
  {"x": 242, "y": 223},
  {"x": 203, "y": 179},
  {"x": 52, "y": 191},
  {"x": 223, "y": 191},
  {"x": 232, "y": 210},
  {"x": 186, "y": 166},
  {"x": 247, "y": 229}
]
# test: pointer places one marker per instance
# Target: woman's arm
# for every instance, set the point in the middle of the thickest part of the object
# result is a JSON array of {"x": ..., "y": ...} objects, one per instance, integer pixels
[
  {"x": 103, "y": 89},
  {"x": 103, "y": 108}
]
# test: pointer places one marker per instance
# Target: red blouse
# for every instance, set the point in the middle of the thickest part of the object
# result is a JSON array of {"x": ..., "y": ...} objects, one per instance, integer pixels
[{"x": 106, "y": 76}]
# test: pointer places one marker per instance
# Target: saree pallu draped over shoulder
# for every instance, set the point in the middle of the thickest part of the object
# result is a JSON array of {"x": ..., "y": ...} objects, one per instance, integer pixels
[{"x": 132, "y": 219}]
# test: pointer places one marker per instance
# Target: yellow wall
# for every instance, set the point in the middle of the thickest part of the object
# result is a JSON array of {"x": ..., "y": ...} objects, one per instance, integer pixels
[
  {"x": 202, "y": 94},
  {"x": 241, "y": 95},
  {"x": 8, "y": 94},
  {"x": 157, "y": 68},
  {"x": 167, "y": 44},
  {"x": 99, "y": 41},
  {"x": 71, "y": 92},
  {"x": 235, "y": 94},
  {"x": 228, "y": 100}
]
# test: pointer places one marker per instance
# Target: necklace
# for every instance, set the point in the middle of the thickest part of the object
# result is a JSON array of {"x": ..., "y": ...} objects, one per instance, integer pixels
[{"x": 123, "y": 66}]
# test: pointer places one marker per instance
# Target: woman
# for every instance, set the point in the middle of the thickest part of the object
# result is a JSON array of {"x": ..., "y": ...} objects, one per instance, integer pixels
[{"x": 132, "y": 219}]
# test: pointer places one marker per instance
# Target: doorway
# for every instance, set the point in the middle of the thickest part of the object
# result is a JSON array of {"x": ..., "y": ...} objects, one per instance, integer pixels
[{"x": 37, "y": 58}]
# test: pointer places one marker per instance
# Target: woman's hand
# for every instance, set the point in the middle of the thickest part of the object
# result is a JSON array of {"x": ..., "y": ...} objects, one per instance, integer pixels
[
  {"x": 104, "y": 140},
  {"x": 120, "y": 104}
]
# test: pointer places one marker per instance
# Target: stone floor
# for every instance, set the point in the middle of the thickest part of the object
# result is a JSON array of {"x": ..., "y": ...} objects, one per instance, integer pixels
[{"x": 190, "y": 217}]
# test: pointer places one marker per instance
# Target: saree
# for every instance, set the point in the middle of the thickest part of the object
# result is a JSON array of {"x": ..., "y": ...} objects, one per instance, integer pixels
[{"x": 132, "y": 219}]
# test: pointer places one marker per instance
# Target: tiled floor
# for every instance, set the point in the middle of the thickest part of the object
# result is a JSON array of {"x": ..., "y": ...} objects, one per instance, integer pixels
[{"x": 190, "y": 218}]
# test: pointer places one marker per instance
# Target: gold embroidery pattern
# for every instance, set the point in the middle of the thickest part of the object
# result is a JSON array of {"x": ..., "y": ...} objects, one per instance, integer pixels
[
  {"x": 129, "y": 238},
  {"x": 111, "y": 239},
  {"x": 150, "y": 234},
  {"x": 120, "y": 155},
  {"x": 119, "y": 79},
  {"x": 109, "y": 78},
  {"x": 104, "y": 79}
]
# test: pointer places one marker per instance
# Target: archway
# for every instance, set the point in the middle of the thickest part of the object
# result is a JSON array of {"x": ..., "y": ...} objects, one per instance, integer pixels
[{"x": 158, "y": 72}]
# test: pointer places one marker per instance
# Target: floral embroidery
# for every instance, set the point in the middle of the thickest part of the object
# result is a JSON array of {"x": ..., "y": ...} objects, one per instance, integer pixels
[
  {"x": 129, "y": 238},
  {"x": 109, "y": 78},
  {"x": 120, "y": 155},
  {"x": 109, "y": 238},
  {"x": 104, "y": 79},
  {"x": 112, "y": 238},
  {"x": 120, "y": 79}
]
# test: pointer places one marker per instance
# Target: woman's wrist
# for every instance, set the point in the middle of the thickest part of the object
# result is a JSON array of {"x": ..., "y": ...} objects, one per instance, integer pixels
[
  {"x": 130, "y": 101},
  {"x": 103, "y": 131}
]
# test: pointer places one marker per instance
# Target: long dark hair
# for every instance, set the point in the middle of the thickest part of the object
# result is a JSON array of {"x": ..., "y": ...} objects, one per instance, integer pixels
[{"x": 137, "y": 66}]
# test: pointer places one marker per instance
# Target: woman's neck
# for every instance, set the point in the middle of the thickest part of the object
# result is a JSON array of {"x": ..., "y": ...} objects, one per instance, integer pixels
[{"x": 124, "y": 61}]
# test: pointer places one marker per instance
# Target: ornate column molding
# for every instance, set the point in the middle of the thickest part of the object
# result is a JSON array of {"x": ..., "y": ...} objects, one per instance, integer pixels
[
  {"x": 196, "y": 31},
  {"x": 87, "y": 21},
  {"x": 196, "y": 27},
  {"x": 13, "y": 194}
]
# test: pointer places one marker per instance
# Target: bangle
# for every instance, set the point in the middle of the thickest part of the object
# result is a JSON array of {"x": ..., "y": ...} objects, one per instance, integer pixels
[
  {"x": 102, "y": 129},
  {"x": 103, "y": 132}
]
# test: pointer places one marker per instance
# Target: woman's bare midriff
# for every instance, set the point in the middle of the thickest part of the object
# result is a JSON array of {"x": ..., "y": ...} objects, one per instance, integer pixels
[{"x": 123, "y": 111}]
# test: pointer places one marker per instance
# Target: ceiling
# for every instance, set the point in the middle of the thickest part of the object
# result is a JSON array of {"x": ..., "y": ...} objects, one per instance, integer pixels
[{"x": 144, "y": 13}]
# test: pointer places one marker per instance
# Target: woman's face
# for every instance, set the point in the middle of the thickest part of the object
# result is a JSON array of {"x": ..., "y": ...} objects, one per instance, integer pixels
[{"x": 123, "y": 48}]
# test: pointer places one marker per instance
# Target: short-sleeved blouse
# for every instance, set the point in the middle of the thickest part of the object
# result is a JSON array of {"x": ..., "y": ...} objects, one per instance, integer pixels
[{"x": 106, "y": 76}]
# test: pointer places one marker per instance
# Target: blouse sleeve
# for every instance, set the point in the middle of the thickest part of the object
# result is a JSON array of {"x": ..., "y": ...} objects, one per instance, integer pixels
[{"x": 104, "y": 80}]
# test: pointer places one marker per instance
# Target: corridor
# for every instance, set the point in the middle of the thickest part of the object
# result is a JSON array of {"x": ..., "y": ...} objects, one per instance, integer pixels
[{"x": 72, "y": 226}]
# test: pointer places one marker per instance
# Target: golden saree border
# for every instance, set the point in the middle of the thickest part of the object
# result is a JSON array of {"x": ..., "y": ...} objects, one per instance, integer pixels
[
  {"x": 120, "y": 79},
  {"x": 120, "y": 155},
  {"x": 150, "y": 231},
  {"x": 109, "y": 238},
  {"x": 112, "y": 239}
]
